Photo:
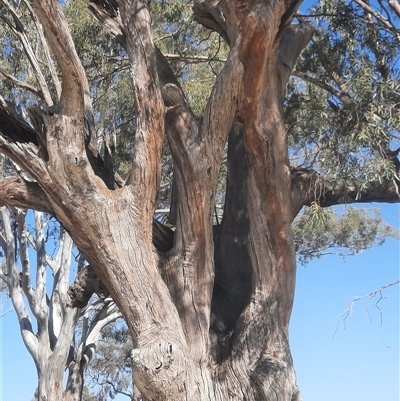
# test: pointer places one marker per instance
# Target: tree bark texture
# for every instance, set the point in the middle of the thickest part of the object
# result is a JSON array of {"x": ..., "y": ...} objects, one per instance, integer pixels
[{"x": 208, "y": 312}]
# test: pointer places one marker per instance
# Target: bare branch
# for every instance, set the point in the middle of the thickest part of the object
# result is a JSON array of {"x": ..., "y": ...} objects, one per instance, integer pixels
[
  {"x": 108, "y": 313},
  {"x": 21, "y": 84},
  {"x": 26, "y": 283},
  {"x": 19, "y": 31},
  {"x": 49, "y": 58},
  {"x": 14, "y": 288},
  {"x": 386, "y": 23},
  {"x": 395, "y": 6},
  {"x": 58, "y": 309},
  {"x": 372, "y": 295}
]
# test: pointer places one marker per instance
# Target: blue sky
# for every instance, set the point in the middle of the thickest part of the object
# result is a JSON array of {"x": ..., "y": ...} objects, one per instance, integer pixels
[
  {"x": 358, "y": 363},
  {"x": 353, "y": 364}
]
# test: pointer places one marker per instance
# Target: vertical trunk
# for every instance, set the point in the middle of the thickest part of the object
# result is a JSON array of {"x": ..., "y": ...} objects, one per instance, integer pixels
[
  {"x": 74, "y": 387},
  {"x": 166, "y": 299}
]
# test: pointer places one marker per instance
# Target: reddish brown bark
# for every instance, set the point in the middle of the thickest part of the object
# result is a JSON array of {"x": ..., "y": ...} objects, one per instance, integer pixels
[{"x": 208, "y": 309}]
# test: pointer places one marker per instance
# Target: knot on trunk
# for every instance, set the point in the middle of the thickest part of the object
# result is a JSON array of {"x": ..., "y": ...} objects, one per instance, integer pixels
[
  {"x": 84, "y": 286},
  {"x": 160, "y": 366}
]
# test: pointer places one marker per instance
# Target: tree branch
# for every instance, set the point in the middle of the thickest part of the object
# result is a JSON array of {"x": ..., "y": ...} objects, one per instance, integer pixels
[
  {"x": 380, "y": 17},
  {"x": 75, "y": 98},
  {"x": 21, "y": 84},
  {"x": 14, "y": 288},
  {"x": 58, "y": 309},
  {"x": 140, "y": 47},
  {"x": 395, "y": 6},
  {"x": 15, "y": 191},
  {"x": 49, "y": 58},
  {"x": 34, "y": 296},
  {"x": 309, "y": 186},
  {"x": 19, "y": 31},
  {"x": 40, "y": 291},
  {"x": 342, "y": 96}
]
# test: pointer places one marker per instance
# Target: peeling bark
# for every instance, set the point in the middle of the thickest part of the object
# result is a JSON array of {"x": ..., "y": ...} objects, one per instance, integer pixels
[{"x": 208, "y": 308}]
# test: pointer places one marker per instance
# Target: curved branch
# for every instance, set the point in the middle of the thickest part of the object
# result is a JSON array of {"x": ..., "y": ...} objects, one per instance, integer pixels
[
  {"x": 308, "y": 186},
  {"x": 23, "y": 85},
  {"x": 14, "y": 127},
  {"x": 15, "y": 191}
]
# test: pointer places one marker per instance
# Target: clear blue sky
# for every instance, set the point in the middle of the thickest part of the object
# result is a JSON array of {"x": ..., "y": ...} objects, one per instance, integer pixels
[{"x": 353, "y": 365}]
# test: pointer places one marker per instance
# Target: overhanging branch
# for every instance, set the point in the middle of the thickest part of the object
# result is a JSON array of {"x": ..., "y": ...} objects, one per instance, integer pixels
[{"x": 308, "y": 186}]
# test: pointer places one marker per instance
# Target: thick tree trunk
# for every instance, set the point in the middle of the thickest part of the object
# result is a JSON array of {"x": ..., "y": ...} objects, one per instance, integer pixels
[{"x": 209, "y": 311}]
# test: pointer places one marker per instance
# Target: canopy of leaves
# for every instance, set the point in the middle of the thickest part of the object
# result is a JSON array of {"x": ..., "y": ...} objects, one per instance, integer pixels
[
  {"x": 110, "y": 373},
  {"x": 343, "y": 103}
]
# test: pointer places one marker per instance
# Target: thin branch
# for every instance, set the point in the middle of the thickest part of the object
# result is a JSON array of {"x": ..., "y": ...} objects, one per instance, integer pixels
[
  {"x": 379, "y": 17},
  {"x": 49, "y": 58},
  {"x": 23, "y": 85},
  {"x": 193, "y": 59},
  {"x": 14, "y": 288},
  {"x": 19, "y": 31},
  {"x": 342, "y": 96},
  {"x": 372, "y": 295}
]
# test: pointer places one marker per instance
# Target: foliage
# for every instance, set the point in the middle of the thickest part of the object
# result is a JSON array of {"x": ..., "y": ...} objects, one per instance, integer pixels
[
  {"x": 110, "y": 372},
  {"x": 343, "y": 109},
  {"x": 318, "y": 232}
]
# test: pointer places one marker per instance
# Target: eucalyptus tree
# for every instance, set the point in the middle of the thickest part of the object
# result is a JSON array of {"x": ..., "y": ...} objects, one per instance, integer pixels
[
  {"x": 207, "y": 307},
  {"x": 53, "y": 345}
]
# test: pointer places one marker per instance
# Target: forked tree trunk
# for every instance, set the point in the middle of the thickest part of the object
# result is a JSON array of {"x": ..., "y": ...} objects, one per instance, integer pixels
[
  {"x": 184, "y": 350},
  {"x": 203, "y": 328}
]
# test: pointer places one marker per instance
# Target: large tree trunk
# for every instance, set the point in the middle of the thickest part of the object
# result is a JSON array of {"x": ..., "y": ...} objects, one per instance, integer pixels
[{"x": 209, "y": 316}]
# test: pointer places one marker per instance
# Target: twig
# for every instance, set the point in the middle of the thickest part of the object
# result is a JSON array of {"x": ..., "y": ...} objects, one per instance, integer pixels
[{"x": 347, "y": 313}]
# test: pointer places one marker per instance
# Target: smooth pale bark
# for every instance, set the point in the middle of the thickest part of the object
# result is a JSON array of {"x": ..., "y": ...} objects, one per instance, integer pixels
[
  {"x": 208, "y": 309},
  {"x": 51, "y": 344}
]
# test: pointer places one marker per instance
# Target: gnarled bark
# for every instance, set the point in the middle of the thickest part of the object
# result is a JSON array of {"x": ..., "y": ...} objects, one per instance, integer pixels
[{"x": 209, "y": 319}]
